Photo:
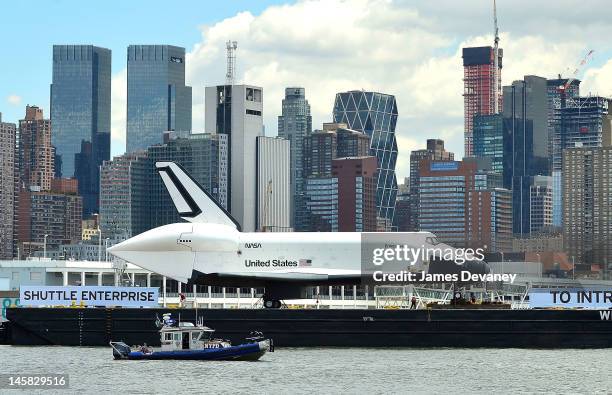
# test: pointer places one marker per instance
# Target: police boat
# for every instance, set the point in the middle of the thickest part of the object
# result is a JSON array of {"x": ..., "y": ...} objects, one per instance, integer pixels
[{"x": 184, "y": 340}]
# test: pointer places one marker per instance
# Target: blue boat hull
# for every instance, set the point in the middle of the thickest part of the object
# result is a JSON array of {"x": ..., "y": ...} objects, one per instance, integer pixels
[{"x": 242, "y": 352}]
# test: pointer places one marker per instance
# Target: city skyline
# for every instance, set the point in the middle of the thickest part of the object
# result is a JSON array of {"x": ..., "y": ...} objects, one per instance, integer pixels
[{"x": 426, "y": 79}]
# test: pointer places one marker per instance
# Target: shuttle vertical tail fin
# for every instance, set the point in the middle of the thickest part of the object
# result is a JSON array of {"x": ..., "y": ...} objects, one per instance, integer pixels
[{"x": 193, "y": 203}]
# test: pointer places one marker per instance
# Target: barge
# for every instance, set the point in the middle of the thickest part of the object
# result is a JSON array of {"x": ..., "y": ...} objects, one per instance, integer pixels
[{"x": 450, "y": 327}]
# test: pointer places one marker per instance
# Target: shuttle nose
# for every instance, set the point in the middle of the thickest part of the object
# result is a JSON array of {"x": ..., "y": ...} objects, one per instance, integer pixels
[{"x": 159, "y": 251}]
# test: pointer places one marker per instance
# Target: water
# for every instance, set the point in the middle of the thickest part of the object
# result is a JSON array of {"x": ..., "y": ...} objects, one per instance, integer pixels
[{"x": 326, "y": 370}]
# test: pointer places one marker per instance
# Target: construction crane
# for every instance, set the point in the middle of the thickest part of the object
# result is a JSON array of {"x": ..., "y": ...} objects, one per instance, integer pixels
[
  {"x": 495, "y": 61},
  {"x": 574, "y": 74},
  {"x": 231, "y": 47}
]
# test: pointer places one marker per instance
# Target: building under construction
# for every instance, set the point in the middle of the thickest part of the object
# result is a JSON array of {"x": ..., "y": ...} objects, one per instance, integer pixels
[{"x": 481, "y": 95}]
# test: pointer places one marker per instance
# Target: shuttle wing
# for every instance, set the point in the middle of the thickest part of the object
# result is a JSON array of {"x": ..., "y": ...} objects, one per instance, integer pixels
[{"x": 193, "y": 203}]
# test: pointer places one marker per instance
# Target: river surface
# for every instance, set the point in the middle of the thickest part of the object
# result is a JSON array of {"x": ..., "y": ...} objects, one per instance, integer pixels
[{"x": 324, "y": 370}]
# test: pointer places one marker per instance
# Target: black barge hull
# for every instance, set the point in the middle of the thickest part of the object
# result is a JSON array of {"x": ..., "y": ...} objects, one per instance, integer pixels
[{"x": 322, "y": 328}]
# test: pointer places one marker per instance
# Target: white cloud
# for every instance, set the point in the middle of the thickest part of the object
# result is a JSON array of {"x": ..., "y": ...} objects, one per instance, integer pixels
[
  {"x": 409, "y": 49},
  {"x": 598, "y": 80},
  {"x": 14, "y": 100}
]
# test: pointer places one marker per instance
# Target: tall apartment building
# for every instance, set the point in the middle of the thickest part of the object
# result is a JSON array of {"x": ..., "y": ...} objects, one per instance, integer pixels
[
  {"x": 583, "y": 121},
  {"x": 55, "y": 213},
  {"x": 8, "y": 165},
  {"x": 295, "y": 124},
  {"x": 479, "y": 87},
  {"x": 118, "y": 196},
  {"x": 36, "y": 154},
  {"x": 80, "y": 112},
  {"x": 434, "y": 151},
  {"x": 463, "y": 204},
  {"x": 273, "y": 184},
  {"x": 321, "y": 148},
  {"x": 587, "y": 205},
  {"x": 356, "y": 183},
  {"x": 375, "y": 114},
  {"x": 157, "y": 97},
  {"x": 236, "y": 112}
]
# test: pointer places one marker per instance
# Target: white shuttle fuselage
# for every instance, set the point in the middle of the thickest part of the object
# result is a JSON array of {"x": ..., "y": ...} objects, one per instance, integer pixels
[
  {"x": 184, "y": 250},
  {"x": 210, "y": 249}
]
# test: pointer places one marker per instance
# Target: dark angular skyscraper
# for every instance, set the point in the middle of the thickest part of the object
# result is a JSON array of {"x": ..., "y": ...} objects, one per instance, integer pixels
[
  {"x": 80, "y": 115},
  {"x": 526, "y": 143},
  {"x": 157, "y": 98},
  {"x": 376, "y": 115}
]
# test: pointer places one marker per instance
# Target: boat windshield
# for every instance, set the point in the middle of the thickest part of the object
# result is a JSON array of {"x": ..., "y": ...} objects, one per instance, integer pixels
[{"x": 205, "y": 335}]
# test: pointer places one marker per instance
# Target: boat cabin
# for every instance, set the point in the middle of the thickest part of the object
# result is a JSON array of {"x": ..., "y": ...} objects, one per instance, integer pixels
[{"x": 187, "y": 336}]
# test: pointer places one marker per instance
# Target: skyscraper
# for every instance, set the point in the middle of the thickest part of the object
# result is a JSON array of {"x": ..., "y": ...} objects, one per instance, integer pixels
[
  {"x": 375, "y": 114},
  {"x": 48, "y": 217},
  {"x": 36, "y": 154},
  {"x": 527, "y": 99},
  {"x": 157, "y": 98},
  {"x": 295, "y": 124},
  {"x": 321, "y": 194},
  {"x": 525, "y": 143},
  {"x": 273, "y": 186},
  {"x": 479, "y": 87},
  {"x": 356, "y": 193},
  {"x": 118, "y": 195},
  {"x": 235, "y": 111},
  {"x": 80, "y": 112},
  {"x": 434, "y": 151},
  {"x": 582, "y": 121},
  {"x": 587, "y": 206},
  {"x": 8, "y": 134},
  {"x": 488, "y": 139},
  {"x": 463, "y": 204}
]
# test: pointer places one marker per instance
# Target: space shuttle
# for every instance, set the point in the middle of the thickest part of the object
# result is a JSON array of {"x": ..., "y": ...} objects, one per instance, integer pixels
[{"x": 210, "y": 248}]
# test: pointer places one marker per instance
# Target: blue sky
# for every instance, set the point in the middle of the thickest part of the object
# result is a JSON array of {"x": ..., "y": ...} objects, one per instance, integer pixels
[{"x": 30, "y": 28}]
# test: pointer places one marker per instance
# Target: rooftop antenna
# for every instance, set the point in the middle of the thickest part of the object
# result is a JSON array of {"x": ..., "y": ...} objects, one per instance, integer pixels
[
  {"x": 495, "y": 61},
  {"x": 231, "y": 62}
]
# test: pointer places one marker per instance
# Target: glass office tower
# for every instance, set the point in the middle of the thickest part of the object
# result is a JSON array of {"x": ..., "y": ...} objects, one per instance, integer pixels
[
  {"x": 295, "y": 124},
  {"x": 157, "y": 98},
  {"x": 376, "y": 115},
  {"x": 80, "y": 116}
]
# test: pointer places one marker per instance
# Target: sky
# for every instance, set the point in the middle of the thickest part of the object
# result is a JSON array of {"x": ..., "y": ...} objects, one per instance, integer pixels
[{"x": 411, "y": 49}]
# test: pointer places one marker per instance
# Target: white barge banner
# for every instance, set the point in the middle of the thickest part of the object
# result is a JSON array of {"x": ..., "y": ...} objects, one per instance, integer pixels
[
  {"x": 88, "y": 296},
  {"x": 586, "y": 298}
]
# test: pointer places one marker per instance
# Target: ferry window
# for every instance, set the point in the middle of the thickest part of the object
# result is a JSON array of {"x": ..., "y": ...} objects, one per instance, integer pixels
[
  {"x": 194, "y": 336},
  {"x": 168, "y": 336},
  {"x": 177, "y": 337}
]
